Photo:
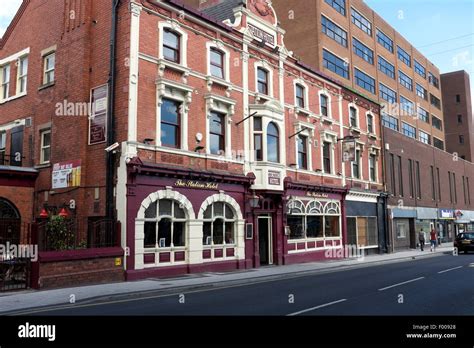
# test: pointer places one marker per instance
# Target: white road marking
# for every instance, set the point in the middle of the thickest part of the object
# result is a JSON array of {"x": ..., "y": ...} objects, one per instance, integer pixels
[
  {"x": 394, "y": 285},
  {"x": 317, "y": 307},
  {"x": 450, "y": 269}
]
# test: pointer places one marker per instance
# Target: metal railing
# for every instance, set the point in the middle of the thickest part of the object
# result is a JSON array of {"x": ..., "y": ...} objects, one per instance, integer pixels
[{"x": 74, "y": 234}]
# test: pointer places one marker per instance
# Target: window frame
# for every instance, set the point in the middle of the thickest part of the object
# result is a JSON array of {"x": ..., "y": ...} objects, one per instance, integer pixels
[
  {"x": 403, "y": 56},
  {"x": 364, "y": 81},
  {"x": 408, "y": 130},
  {"x": 5, "y": 81},
  {"x": 212, "y": 64},
  {"x": 177, "y": 126},
  {"x": 389, "y": 71},
  {"x": 359, "y": 23},
  {"x": 300, "y": 101},
  {"x": 331, "y": 60},
  {"x": 177, "y": 50},
  {"x": 263, "y": 83},
  {"x": 22, "y": 77},
  {"x": 382, "y": 41},
  {"x": 405, "y": 80},
  {"x": 302, "y": 151},
  {"x": 419, "y": 68},
  {"x": 221, "y": 136},
  {"x": 362, "y": 51},
  {"x": 333, "y": 31},
  {"x": 43, "y": 147},
  {"x": 49, "y": 74},
  {"x": 373, "y": 167},
  {"x": 277, "y": 137},
  {"x": 337, "y": 6}
]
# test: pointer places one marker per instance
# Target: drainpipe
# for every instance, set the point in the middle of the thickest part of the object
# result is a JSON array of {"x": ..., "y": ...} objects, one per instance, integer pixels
[{"x": 110, "y": 206}]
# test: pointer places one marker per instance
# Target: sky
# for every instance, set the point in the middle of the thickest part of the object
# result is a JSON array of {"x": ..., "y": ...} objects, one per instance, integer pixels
[
  {"x": 8, "y": 9},
  {"x": 443, "y": 30}
]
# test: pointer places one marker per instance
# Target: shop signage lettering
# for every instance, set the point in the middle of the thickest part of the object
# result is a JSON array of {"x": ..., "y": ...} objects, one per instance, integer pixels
[
  {"x": 317, "y": 195},
  {"x": 274, "y": 178},
  {"x": 446, "y": 214},
  {"x": 66, "y": 174},
  {"x": 262, "y": 35},
  {"x": 197, "y": 184}
]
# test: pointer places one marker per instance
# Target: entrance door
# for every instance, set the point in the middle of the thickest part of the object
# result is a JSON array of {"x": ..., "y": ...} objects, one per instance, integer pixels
[{"x": 265, "y": 240}]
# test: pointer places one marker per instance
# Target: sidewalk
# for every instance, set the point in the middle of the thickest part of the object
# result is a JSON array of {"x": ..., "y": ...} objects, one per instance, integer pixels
[{"x": 15, "y": 301}]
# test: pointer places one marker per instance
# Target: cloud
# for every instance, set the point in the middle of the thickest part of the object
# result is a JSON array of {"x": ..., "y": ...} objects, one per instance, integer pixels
[{"x": 7, "y": 12}]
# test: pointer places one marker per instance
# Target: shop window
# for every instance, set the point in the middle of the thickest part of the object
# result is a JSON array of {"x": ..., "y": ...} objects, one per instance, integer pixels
[
  {"x": 219, "y": 225},
  {"x": 165, "y": 225},
  {"x": 363, "y": 231},
  {"x": 317, "y": 220}
]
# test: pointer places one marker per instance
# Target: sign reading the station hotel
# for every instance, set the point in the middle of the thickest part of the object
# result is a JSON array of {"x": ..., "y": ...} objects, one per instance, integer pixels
[
  {"x": 317, "y": 194},
  {"x": 262, "y": 35},
  {"x": 196, "y": 184}
]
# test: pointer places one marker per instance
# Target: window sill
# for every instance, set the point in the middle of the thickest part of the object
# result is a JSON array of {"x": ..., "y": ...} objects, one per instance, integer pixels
[
  {"x": 218, "y": 81},
  {"x": 327, "y": 120},
  {"x": 51, "y": 84},
  {"x": 299, "y": 110},
  {"x": 355, "y": 130},
  {"x": 42, "y": 166},
  {"x": 163, "y": 63},
  {"x": 372, "y": 136},
  {"x": 12, "y": 98}
]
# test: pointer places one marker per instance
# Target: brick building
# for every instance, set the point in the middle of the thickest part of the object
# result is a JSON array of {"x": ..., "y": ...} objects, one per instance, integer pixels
[
  {"x": 457, "y": 107},
  {"x": 210, "y": 144}
]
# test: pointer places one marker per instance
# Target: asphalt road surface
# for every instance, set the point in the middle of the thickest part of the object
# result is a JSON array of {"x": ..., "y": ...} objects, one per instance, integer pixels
[{"x": 442, "y": 285}]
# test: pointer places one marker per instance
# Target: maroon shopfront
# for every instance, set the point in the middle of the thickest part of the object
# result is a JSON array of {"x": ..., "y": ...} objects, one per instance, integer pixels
[{"x": 182, "y": 221}]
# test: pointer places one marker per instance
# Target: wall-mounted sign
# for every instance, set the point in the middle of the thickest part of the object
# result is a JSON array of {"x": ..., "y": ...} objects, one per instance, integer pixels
[
  {"x": 274, "y": 178},
  {"x": 348, "y": 151},
  {"x": 446, "y": 214},
  {"x": 98, "y": 116},
  {"x": 317, "y": 194},
  {"x": 248, "y": 231},
  {"x": 196, "y": 184},
  {"x": 66, "y": 174},
  {"x": 262, "y": 35}
]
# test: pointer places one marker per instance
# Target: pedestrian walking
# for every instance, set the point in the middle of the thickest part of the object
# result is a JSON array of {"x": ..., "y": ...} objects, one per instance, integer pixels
[
  {"x": 433, "y": 238},
  {"x": 421, "y": 239}
]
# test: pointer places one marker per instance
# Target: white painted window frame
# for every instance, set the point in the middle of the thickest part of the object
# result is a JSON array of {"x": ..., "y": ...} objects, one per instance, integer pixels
[
  {"x": 265, "y": 66},
  {"x": 226, "y": 59},
  {"x": 43, "y": 147},
  {"x": 21, "y": 76}
]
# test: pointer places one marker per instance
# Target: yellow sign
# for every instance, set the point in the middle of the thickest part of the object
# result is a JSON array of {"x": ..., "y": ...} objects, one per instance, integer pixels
[
  {"x": 118, "y": 261},
  {"x": 197, "y": 184}
]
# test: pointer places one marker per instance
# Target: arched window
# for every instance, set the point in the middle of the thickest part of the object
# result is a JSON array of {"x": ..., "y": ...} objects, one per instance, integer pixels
[
  {"x": 273, "y": 141},
  {"x": 165, "y": 225},
  {"x": 219, "y": 224},
  {"x": 171, "y": 46},
  {"x": 7, "y": 210}
]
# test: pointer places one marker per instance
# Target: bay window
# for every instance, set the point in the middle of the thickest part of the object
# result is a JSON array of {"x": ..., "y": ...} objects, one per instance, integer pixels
[
  {"x": 258, "y": 138},
  {"x": 273, "y": 143}
]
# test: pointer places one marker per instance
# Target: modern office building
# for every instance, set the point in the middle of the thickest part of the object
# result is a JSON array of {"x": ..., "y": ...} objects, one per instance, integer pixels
[
  {"x": 347, "y": 40},
  {"x": 457, "y": 106}
]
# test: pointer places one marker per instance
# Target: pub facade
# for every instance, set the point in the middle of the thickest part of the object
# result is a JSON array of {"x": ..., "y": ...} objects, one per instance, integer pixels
[{"x": 238, "y": 155}]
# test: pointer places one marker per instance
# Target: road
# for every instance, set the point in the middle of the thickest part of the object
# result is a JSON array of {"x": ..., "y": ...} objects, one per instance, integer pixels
[{"x": 442, "y": 285}]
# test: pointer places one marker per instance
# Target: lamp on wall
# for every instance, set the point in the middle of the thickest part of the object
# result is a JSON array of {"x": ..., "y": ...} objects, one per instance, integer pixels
[{"x": 254, "y": 201}]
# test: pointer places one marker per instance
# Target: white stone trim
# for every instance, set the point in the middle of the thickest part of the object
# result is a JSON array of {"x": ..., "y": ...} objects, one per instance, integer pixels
[
  {"x": 135, "y": 10},
  {"x": 178, "y": 92},
  {"x": 191, "y": 226},
  {"x": 239, "y": 221},
  {"x": 309, "y": 134},
  {"x": 301, "y": 82},
  {"x": 374, "y": 130},
  {"x": 328, "y": 95},
  {"x": 223, "y": 106},
  {"x": 14, "y": 56}
]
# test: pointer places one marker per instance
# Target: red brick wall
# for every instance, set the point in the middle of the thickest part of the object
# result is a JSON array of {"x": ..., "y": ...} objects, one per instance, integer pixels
[
  {"x": 80, "y": 29},
  {"x": 79, "y": 272}
]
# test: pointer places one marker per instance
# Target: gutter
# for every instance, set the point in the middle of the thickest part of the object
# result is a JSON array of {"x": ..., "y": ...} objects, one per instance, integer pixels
[{"x": 110, "y": 206}]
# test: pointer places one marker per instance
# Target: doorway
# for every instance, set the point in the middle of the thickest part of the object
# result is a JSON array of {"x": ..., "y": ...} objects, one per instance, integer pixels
[{"x": 265, "y": 240}]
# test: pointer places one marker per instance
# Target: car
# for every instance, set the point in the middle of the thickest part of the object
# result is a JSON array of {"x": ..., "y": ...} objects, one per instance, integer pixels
[{"x": 464, "y": 242}]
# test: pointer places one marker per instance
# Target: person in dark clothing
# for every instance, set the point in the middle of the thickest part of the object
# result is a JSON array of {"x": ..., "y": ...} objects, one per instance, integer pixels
[{"x": 421, "y": 239}]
